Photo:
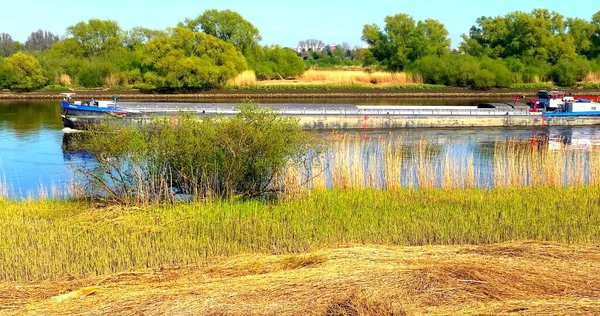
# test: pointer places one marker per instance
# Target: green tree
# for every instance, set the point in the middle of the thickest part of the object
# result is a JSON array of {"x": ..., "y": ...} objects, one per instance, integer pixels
[
  {"x": 138, "y": 36},
  {"x": 403, "y": 40},
  {"x": 23, "y": 72},
  {"x": 229, "y": 26},
  {"x": 279, "y": 63},
  {"x": 540, "y": 34},
  {"x": 568, "y": 71},
  {"x": 97, "y": 37},
  {"x": 595, "y": 41},
  {"x": 186, "y": 60}
]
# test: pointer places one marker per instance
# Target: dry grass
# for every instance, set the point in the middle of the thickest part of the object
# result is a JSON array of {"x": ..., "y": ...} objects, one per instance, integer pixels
[
  {"x": 512, "y": 278},
  {"x": 353, "y": 77},
  {"x": 246, "y": 78},
  {"x": 592, "y": 77},
  {"x": 353, "y": 161},
  {"x": 63, "y": 79}
]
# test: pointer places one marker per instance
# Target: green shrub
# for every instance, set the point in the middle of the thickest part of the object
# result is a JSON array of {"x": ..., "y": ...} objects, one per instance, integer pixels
[
  {"x": 237, "y": 156},
  {"x": 568, "y": 71},
  {"x": 23, "y": 73}
]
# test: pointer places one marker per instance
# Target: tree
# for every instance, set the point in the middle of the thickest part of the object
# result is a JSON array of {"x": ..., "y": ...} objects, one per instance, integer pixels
[
  {"x": 279, "y": 63},
  {"x": 139, "y": 36},
  {"x": 7, "y": 45},
  {"x": 226, "y": 25},
  {"x": 186, "y": 60},
  {"x": 23, "y": 72},
  {"x": 403, "y": 40},
  {"x": 97, "y": 37},
  {"x": 40, "y": 41},
  {"x": 595, "y": 41},
  {"x": 540, "y": 34}
]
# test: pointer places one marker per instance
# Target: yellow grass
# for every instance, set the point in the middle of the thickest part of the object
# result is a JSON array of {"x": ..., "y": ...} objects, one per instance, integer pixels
[
  {"x": 246, "y": 78},
  {"x": 592, "y": 77},
  {"x": 63, "y": 79},
  {"x": 355, "y": 162},
  {"x": 344, "y": 77},
  {"x": 522, "y": 277}
]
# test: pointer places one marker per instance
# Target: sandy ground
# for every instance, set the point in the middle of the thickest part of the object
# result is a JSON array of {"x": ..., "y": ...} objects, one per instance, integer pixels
[{"x": 514, "y": 278}]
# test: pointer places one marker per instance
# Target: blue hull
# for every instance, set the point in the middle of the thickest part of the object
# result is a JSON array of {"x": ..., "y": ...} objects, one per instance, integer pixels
[
  {"x": 571, "y": 114},
  {"x": 79, "y": 107}
]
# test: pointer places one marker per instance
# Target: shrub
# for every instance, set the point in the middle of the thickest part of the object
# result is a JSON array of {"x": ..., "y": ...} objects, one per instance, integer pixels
[
  {"x": 23, "y": 73},
  {"x": 237, "y": 156},
  {"x": 568, "y": 71}
]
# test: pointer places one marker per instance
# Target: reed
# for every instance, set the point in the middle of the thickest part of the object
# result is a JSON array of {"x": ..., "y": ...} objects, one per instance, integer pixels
[
  {"x": 63, "y": 79},
  {"x": 357, "y": 162},
  {"x": 246, "y": 78},
  {"x": 45, "y": 239},
  {"x": 592, "y": 77},
  {"x": 352, "y": 77}
]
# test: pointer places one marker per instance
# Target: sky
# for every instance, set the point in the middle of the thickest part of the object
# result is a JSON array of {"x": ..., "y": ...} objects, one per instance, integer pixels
[{"x": 279, "y": 22}]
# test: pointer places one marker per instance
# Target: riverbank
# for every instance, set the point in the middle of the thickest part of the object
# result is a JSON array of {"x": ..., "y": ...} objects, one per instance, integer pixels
[
  {"x": 516, "y": 278},
  {"x": 54, "y": 240},
  {"x": 367, "y": 251},
  {"x": 265, "y": 92}
]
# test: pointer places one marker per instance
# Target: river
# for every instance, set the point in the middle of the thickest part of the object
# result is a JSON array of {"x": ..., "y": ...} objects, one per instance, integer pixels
[{"x": 32, "y": 159}]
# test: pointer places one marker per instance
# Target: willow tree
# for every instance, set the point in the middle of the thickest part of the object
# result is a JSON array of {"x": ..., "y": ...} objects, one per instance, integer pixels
[
  {"x": 182, "y": 59},
  {"x": 23, "y": 72}
]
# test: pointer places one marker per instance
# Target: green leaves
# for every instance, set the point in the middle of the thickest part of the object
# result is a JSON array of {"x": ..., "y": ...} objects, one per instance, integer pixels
[
  {"x": 403, "y": 41},
  {"x": 23, "y": 72},
  {"x": 224, "y": 156},
  {"x": 186, "y": 60},
  {"x": 228, "y": 26}
]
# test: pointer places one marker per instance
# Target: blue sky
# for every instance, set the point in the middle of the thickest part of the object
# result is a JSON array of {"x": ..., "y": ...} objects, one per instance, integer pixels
[{"x": 280, "y": 22}]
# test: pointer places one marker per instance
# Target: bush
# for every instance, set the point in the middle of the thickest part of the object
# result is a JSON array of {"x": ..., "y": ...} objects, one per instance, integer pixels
[
  {"x": 567, "y": 72},
  {"x": 277, "y": 63},
  {"x": 218, "y": 156},
  {"x": 23, "y": 73},
  {"x": 93, "y": 73}
]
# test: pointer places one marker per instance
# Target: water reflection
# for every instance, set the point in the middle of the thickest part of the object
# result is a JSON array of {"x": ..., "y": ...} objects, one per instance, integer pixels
[{"x": 35, "y": 153}]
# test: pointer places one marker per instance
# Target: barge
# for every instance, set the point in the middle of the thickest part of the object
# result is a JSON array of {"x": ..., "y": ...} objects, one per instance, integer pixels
[{"x": 551, "y": 108}]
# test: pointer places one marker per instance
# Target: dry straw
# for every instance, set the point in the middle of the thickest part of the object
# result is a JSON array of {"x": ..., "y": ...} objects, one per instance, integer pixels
[{"x": 345, "y": 77}]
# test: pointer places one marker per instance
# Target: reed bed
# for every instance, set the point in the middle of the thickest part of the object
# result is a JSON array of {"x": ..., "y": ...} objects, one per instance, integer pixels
[
  {"x": 352, "y": 77},
  {"x": 51, "y": 239},
  {"x": 246, "y": 78},
  {"x": 592, "y": 77},
  {"x": 357, "y": 162}
]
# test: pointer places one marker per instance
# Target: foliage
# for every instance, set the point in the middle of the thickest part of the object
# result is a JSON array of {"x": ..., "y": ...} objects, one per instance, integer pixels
[
  {"x": 277, "y": 63},
  {"x": 568, "y": 71},
  {"x": 187, "y": 60},
  {"x": 23, "y": 73},
  {"x": 464, "y": 71},
  {"x": 403, "y": 41},
  {"x": 541, "y": 34},
  {"x": 241, "y": 155},
  {"x": 97, "y": 36},
  {"x": 229, "y": 26}
]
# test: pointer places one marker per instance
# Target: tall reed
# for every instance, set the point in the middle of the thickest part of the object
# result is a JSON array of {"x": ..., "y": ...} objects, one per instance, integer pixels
[
  {"x": 345, "y": 77},
  {"x": 354, "y": 161},
  {"x": 246, "y": 78},
  {"x": 592, "y": 77}
]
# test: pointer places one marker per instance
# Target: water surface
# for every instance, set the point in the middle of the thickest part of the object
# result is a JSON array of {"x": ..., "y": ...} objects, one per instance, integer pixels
[{"x": 32, "y": 155}]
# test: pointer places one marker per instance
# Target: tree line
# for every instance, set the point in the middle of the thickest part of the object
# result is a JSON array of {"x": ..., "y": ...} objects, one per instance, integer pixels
[{"x": 206, "y": 51}]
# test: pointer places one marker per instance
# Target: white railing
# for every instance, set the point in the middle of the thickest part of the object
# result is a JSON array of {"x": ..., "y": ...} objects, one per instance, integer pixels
[{"x": 342, "y": 112}]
